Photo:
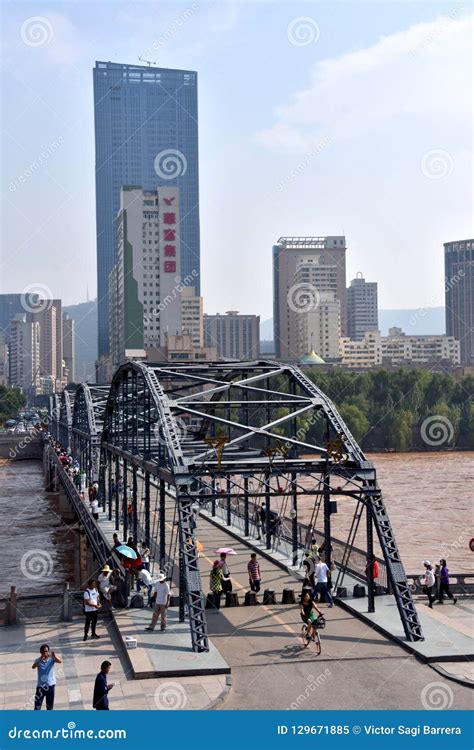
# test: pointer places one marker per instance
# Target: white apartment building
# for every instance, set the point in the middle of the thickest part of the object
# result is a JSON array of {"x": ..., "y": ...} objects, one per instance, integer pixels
[
  {"x": 319, "y": 329},
  {"x": 192, "y": 316},
  {"x": 145, "y": 284},
  {"x": 364, "y": 353},
  {"x": 25, "y": 354},
  {"x": 398, "y": 348}
]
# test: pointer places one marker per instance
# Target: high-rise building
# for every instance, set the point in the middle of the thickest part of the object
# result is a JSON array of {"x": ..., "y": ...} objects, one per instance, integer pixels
[
  {"x": 3, "y": 359},
  {"x": 362, "y": 310},
  {"x": 319, "y": 329},
  {"x": 49, "y": 316},
  {"x": 144, "y": 284},
  {"x": 303, "y": 267},
  {"x": 25, "y": 354},
  {"x": 14, "y": 304},
  {"x": 192, "y": 316},
  {"x": 459, "y": 295},
  {"x": 69, "y": 347},
  {"x": 146, "y": 134},
  {"x": 234, "y": 336}
]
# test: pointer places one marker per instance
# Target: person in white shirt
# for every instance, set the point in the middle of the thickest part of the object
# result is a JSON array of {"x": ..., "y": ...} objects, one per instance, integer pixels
[
  {"x": 321, "y": 572},
  {"x": 429, "y": 583},
  {"x": 144, "y": 579},
  {"x": 105, "y": 586},
  {"x": 91, "y": 607},
  {"x": 95, "y": 508},
  {"x": 162, "y": 601},
  {"x": 145, "y": 555}
]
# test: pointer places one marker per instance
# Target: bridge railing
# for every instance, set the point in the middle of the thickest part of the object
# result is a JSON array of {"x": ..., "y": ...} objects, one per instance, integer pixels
[
  {"x": 100, "y": 546},
  {"x": 283, "y": 543}
]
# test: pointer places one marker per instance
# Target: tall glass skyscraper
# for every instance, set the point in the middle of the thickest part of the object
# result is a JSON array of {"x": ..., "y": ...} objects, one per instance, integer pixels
[{"x": 146, "y": 134}]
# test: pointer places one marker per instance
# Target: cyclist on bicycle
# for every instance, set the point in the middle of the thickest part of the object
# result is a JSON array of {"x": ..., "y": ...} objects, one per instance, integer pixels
[{"x": 307, "y": 612}]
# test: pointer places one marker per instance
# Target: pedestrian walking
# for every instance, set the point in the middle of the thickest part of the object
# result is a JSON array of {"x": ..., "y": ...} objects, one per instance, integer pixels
[
  {"x": 429, "y": 583},
  {"x": 226, "y": 580},
  {"x": 95, "y": 508},
  {"x": 46, "y": 683},
  {"x": 100, "y": 699},
  {"x": 161, "y": 599},
  {"x": 91, "y": 609},
  {"x": 321, "y": 572},
  {"x": 444, "y": 583},
  {"x": 145, "y": 555},
  {"x": 215, "y": 583},
  {"x": 259, "y": 520},
  {"x": 255, "y": 578},
  {"x": 105, "y": 586}
]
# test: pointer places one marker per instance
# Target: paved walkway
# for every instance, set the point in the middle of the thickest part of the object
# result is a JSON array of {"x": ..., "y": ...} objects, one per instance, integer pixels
[{"x": 19, "y": 646}]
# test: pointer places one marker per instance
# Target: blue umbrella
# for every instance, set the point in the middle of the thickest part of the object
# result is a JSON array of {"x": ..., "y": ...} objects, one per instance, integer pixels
[{"x": 127, "y": 551}]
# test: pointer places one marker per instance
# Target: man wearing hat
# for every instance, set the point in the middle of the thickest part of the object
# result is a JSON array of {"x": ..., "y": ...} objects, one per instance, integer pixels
[
  {"x": 105, "y": 587},
  {"x": 162, "y": 601},
  {"x": 429, "y": 583}
]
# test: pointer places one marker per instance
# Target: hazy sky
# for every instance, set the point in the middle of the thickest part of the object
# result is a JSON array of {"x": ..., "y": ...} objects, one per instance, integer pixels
[{"x": 314, "y": 118}]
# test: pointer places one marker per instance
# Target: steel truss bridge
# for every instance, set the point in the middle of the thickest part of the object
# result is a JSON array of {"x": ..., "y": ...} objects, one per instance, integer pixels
[{"x": 237, "y": 436}]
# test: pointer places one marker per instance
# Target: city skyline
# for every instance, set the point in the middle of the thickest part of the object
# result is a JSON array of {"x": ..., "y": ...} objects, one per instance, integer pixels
[{"x": 275, "y": 154}]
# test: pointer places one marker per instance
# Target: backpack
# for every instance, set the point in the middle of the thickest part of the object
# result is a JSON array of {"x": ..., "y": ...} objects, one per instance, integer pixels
[{"x": 136, "y": 602}]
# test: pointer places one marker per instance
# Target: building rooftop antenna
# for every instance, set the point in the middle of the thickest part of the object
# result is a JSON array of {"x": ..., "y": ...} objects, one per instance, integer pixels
[{"x": 148, "y": 62}]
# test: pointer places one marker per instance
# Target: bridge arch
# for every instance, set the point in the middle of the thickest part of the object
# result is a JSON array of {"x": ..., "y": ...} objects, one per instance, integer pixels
[{"x": 238, "y": 434}]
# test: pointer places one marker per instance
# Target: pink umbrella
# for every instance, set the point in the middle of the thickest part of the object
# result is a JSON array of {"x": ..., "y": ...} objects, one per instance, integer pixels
[{"x": 225, "y": 551}]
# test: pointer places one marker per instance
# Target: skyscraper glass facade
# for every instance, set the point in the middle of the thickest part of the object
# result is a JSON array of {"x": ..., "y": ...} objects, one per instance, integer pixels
[{"x": 146, "y": 134}]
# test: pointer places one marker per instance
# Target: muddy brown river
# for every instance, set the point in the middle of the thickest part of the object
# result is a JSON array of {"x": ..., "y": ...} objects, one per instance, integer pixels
[{"x": 429, "y": 497}]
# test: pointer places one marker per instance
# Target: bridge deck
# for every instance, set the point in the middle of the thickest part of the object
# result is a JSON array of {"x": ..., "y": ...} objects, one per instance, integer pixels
[{"x": 448, "y": 630}]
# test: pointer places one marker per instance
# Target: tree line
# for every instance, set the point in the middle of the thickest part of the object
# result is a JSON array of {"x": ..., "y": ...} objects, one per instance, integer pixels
[{"x": 402, "y": 410}]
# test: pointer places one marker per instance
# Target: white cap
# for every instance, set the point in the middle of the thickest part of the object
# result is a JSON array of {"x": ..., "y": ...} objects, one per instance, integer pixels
[{"x": 426, "y": 562}]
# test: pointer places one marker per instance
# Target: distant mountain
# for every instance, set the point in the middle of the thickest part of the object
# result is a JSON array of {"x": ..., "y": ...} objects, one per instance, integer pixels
[
  {"x": 417, "y": 322},
  {"x": 85, "y": 315}
]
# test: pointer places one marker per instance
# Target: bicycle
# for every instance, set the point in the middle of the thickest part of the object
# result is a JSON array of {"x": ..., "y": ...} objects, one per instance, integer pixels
[{"x": 313, "y": 637}]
